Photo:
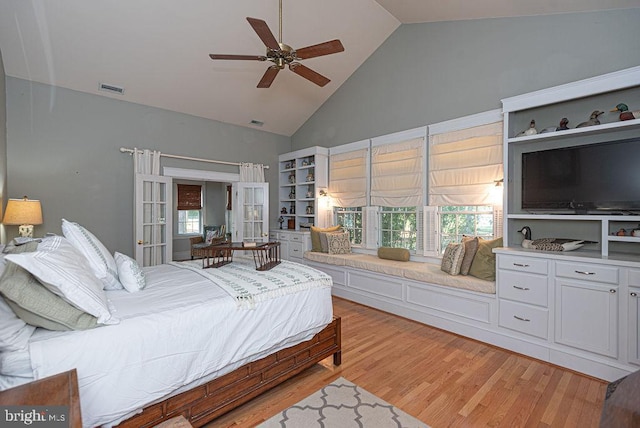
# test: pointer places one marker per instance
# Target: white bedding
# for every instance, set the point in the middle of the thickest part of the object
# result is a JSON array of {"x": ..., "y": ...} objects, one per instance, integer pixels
[{"x": 179, "y": 331}]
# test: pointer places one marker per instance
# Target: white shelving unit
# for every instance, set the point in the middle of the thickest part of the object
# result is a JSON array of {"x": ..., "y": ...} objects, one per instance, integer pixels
[
  {"x": 303, "y": 174},
  {"x": 575, "y": 101}
]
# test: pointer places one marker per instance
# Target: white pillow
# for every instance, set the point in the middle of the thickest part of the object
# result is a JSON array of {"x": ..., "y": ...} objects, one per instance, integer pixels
[
  {"x": 100, "y": 260},
  {"x": 14, "y": 333},
  {"x": 66, "y": 272},
  {"x": 129, "y": 272}
]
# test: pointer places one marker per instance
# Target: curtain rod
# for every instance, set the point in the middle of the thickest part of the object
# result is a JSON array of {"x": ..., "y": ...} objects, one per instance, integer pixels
[{"x": 130, "y": 151}]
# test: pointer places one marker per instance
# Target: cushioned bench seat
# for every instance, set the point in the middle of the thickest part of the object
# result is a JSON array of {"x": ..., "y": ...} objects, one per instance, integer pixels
[{"x": 417, "y": 271}]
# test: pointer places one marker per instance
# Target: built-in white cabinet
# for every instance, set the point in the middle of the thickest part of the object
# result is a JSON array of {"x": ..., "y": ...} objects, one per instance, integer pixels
[
  {"x": 573, "y": 309},
  {"x": 634, "y": 316},
  {"x": 586, "y": 313},
  {"x": 303, "y": 175},
  {"x": 523, "y": 295},
  {"x": 293, "y": 244}
]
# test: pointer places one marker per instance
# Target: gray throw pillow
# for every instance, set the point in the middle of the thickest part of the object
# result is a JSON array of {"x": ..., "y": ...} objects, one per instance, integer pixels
[{"x": 37, "y": 306}]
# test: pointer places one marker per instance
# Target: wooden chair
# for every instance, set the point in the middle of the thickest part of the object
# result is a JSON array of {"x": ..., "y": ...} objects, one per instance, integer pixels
[{"x": 198, "y": 243}]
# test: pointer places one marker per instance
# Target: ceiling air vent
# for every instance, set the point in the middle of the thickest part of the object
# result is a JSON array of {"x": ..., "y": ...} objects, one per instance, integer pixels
[{"x": 111, "y": 88}]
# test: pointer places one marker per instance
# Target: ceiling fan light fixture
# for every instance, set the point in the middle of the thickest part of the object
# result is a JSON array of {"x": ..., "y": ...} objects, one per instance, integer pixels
[{"x": 282, "y": 54}]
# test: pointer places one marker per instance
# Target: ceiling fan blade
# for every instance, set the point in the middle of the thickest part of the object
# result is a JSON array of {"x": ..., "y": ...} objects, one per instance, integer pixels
[
  {"x": 308, "y": 74},
  {"x": 326, "y": 48},
  {"x": 268, "y": 77},
  {"x": 265, "y": 34},
  {"x": 244, "y": 57}
]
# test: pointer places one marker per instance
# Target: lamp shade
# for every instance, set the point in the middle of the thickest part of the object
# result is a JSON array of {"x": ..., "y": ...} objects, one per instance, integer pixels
[{"x": 23, "y": 211}]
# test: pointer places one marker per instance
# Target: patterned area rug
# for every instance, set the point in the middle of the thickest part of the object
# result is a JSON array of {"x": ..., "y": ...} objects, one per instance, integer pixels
[{"x": 341, "y": 404}]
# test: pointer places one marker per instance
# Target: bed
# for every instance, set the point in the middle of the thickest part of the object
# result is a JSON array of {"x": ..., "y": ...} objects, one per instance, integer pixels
[{"x": 184, "y": 344}]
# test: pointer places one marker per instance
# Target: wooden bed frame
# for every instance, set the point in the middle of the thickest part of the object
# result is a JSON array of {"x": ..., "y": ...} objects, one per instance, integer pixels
[{"x": 204, "y": 403}]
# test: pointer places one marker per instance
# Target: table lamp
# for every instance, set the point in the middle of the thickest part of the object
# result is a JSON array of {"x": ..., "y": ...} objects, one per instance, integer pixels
[{"x": 24, "y": 213}]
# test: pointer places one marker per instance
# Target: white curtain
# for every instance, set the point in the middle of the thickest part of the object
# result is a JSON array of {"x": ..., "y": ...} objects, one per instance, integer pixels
[
  {"x": 251, "y": 172},
  {"x": 146, "y": 161},
  {"x": 396, "y": 174},
  {"x": 464, "y": 165},
  {"x": 348, "y": 178}
]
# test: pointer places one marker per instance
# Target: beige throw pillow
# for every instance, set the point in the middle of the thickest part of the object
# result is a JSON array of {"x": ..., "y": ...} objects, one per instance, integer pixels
[
  {"x": 452, "y": 258},
  {"x": 315, "y": 236},
  {"x": 339, "y": 243},
  {"x": 470, "y": 249}
]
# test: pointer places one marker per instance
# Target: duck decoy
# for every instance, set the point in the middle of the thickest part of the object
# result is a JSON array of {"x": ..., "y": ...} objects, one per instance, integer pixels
[
  {"x": 625, "y": 114},
  {"x": 561, "y": 127},
  {"x": 550, "y": 244},
  {"x": 531, "y": 130},
  {"x": 563, "y": 124},
  {"x": 593, "y": 120}
]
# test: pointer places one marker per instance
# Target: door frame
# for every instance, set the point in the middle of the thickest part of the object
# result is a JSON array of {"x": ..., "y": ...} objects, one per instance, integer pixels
[{"x": 200, "y": 175}]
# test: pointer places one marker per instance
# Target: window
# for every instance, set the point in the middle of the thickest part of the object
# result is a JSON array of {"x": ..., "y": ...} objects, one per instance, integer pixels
[
  {"x": 189, "y": 222},
  {"x": 189, "y": 209},
  {"x": 398, "y": 227},
  {"x": 351, "y": 221},
  {"x": 455, "y": 221}
]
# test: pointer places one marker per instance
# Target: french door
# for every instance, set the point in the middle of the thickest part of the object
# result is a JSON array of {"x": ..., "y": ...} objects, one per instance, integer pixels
[
  {"x": 251, "y": 212},
  {"x": 153, "y": 210}
]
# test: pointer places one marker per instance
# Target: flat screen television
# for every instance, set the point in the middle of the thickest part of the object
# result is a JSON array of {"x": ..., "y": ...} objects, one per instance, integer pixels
[{"x": 593, "y": 178}]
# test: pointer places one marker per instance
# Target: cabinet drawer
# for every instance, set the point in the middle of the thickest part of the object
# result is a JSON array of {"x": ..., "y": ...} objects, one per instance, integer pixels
[
  {"x": 296, "y": 238},
  {"x": 295, "y": 249},
  {"x": 634, "y": 277},
  {"x": 283, "y": 236},
  {"x": 526, "y": 319},
  {"x": 587, "y": 272},
  {"x": 523, "y": 287},
  {"x": 523, "y": 264}
]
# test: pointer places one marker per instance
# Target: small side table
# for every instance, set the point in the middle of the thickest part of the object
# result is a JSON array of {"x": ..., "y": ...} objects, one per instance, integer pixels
[{"x": 56, "y": 390}]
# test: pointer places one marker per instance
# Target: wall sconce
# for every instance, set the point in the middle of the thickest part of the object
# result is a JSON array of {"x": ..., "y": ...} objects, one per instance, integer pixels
[
  {"x": 496, "y": 192},
  {"x": 24, "y": 213},
  {"x": 322, "y": 193}
]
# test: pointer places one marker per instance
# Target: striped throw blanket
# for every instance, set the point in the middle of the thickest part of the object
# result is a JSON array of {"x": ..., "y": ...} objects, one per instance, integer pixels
[{"x": 247, "y": 286}]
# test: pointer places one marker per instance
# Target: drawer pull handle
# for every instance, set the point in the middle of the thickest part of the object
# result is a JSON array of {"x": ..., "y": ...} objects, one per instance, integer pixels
[
  {"x": 521, "y": 265},
  {"x": 612, "y": 290},
  {"x": 521, "y": 318},
  {"x": 584, "y": 272},
  {"x": 521, "y": 288},
  {"x": 634, "y": 294}
]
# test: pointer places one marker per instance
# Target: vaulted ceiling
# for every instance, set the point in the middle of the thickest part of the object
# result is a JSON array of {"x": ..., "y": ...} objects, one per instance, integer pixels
[{"x": 158, "y": 50}]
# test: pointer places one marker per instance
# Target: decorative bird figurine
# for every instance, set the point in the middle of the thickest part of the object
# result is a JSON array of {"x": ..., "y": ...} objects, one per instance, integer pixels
[
  {"x": 593, "y": 120},
  {"x": 550, "y": 244},
  {"x": 531, "y": 130},
  {"x": 625, "y": 114},
  {"x": 563, "y": 124},
  {"x": 561, "y": 127}
]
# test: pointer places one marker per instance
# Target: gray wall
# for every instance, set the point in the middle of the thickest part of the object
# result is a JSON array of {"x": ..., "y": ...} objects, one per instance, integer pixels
[
  {"x": 427, "y": 73},
  {"x": 3, "y": 145},
  {"x": 63, "y": 147}
]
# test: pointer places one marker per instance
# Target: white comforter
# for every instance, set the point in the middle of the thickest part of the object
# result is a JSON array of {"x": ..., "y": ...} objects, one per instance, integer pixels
[{"x": 181, "y": 330}]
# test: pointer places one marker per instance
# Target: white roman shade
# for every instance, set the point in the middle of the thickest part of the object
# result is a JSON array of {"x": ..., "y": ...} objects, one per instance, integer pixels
[
  {"x": 348, "y": 178},
  {"x": 464, "y": 165},
  {"x": 396, "y": 173}
]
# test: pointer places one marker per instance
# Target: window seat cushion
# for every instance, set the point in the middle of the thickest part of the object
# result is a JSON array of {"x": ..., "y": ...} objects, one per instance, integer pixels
[{"x": 418, "y": 271}]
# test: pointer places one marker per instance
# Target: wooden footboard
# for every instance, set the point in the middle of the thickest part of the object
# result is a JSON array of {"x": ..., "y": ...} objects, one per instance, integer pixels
[{"x": 206, "y": 402}]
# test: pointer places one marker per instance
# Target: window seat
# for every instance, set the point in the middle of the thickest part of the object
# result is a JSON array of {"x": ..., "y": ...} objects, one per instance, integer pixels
[{"x": 418, "y": 271}]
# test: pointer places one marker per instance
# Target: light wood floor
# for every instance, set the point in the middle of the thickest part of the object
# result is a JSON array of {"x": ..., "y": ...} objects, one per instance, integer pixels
[{"x": 440, "y": 378}]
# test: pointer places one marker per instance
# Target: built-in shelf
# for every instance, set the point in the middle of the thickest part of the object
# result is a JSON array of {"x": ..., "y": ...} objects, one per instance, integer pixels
[
  {"x": 589, "y": 130},
  {"x": 547, "y": 106}
]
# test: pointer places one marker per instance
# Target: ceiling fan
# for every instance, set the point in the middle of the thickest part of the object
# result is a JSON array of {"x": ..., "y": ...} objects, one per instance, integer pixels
[{"x": 284, "y": 55}]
